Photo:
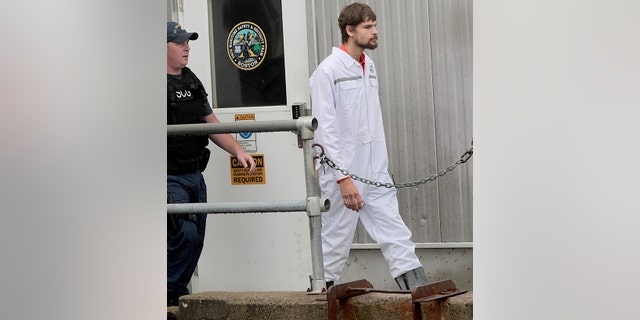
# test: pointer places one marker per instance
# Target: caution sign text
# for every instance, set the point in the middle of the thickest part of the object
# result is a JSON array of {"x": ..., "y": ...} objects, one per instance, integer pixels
[
  {"x": 245, "y": 116},
  {"x": 240, "y": 175}
]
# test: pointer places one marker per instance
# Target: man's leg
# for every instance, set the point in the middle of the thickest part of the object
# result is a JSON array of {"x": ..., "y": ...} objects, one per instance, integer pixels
[
  {"x": 185, "y": 237},
  {"x": 179, "y": 254},
  {"x": 338, "y": 227},
  {"x": 381, "y": 218}
]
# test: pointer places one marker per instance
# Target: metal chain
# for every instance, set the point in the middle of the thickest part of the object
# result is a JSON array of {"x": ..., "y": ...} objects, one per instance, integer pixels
[{"x": 323, "y": 159}]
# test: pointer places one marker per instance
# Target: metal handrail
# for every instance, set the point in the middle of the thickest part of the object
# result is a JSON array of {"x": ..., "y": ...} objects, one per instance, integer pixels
[
  {"x": 313, "y": 205},
  {"x": 296, "y": 125},
  {"x": 241, "y": 207}
]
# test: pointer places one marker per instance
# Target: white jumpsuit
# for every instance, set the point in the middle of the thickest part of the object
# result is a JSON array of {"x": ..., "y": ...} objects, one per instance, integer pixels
[{"x": 347, "y": 106}]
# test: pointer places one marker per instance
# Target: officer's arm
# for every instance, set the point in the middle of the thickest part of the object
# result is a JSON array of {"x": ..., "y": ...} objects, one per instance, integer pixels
[{"x": 230, "y": 145}]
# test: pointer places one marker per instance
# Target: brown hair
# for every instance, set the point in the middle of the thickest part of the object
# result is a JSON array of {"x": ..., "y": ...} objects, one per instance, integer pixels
[{"x": 352, "y": 15}]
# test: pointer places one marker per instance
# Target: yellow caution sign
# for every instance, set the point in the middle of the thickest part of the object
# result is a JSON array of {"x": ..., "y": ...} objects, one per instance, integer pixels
[
  {"x": 240, "y": 175},
  {"x": 245, "y": 116}
]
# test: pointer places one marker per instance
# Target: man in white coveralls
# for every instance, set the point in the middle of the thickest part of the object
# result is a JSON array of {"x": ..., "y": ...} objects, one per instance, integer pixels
[{"x": 344, "y": 95}]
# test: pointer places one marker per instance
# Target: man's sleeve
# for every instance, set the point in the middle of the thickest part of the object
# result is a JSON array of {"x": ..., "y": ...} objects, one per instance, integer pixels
[
  {"x": 207, "y": 107},
  {"x": 323, "y": 99}
]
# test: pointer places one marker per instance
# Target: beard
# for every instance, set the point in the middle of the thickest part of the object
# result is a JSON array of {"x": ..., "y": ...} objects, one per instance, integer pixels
[{"x": 368, "y": 45}]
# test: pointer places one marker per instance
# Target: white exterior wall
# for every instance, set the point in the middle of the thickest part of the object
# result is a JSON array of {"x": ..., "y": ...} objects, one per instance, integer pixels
[{"x": 424, "y": 62}]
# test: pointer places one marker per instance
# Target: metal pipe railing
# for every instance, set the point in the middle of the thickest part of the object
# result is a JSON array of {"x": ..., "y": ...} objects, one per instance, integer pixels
[
  {"x": 242, "y": 207},
  {"x": 296, "y": 125},
  {"x": 314, "y": 205}
]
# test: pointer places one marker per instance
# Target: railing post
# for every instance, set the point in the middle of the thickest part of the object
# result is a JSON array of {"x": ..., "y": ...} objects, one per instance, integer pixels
[{"x": 315, "y": 206}]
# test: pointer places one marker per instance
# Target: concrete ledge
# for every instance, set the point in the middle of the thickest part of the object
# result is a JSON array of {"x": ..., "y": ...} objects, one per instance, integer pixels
[{"x": 299, "y": 305}]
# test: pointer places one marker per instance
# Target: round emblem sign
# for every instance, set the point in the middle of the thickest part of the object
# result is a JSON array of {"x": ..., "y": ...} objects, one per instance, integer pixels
[{"x": 246, "y": 45}]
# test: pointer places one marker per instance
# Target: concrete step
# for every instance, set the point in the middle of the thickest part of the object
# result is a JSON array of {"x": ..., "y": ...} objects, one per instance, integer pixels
[{"x": 289, "y": 305}]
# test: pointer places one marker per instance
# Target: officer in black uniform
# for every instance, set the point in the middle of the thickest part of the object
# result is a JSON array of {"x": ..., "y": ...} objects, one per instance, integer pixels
[{"x": 187, "y": 157}]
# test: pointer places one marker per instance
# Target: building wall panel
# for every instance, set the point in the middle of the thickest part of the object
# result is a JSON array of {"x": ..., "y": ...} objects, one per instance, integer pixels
[{"x": 424, "y": 61}]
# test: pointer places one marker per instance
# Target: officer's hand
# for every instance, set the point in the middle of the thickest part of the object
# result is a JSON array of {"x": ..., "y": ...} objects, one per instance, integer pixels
[{"x": 246, "y": 160}]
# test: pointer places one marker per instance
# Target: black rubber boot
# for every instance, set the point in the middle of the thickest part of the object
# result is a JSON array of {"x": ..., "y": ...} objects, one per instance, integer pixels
[
  {"x": 329, "y": 284},
  {"x": 411, "y": 279},
  {"x": 172, "y": 299}
]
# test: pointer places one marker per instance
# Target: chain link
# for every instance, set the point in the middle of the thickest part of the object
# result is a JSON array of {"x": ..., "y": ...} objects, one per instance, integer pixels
[{"x": 323, "y": 159}]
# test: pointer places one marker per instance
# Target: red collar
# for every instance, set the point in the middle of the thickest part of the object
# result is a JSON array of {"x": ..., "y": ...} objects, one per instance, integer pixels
[{"x": 361, "y": 61}]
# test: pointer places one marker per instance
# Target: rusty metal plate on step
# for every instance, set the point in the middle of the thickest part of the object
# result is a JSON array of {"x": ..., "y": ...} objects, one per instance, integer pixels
[
  {"x": 434, "y": 291},
  {"x": 343, "y": 292},
  {"x": 430, "y": 292}
]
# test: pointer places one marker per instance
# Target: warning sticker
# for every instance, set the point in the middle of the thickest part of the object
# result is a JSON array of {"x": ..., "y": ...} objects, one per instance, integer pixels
[
  {"x": 247, "y": 140},
  {"x": 240, "y": 175},
  {"x": 245, "y": 116}
]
